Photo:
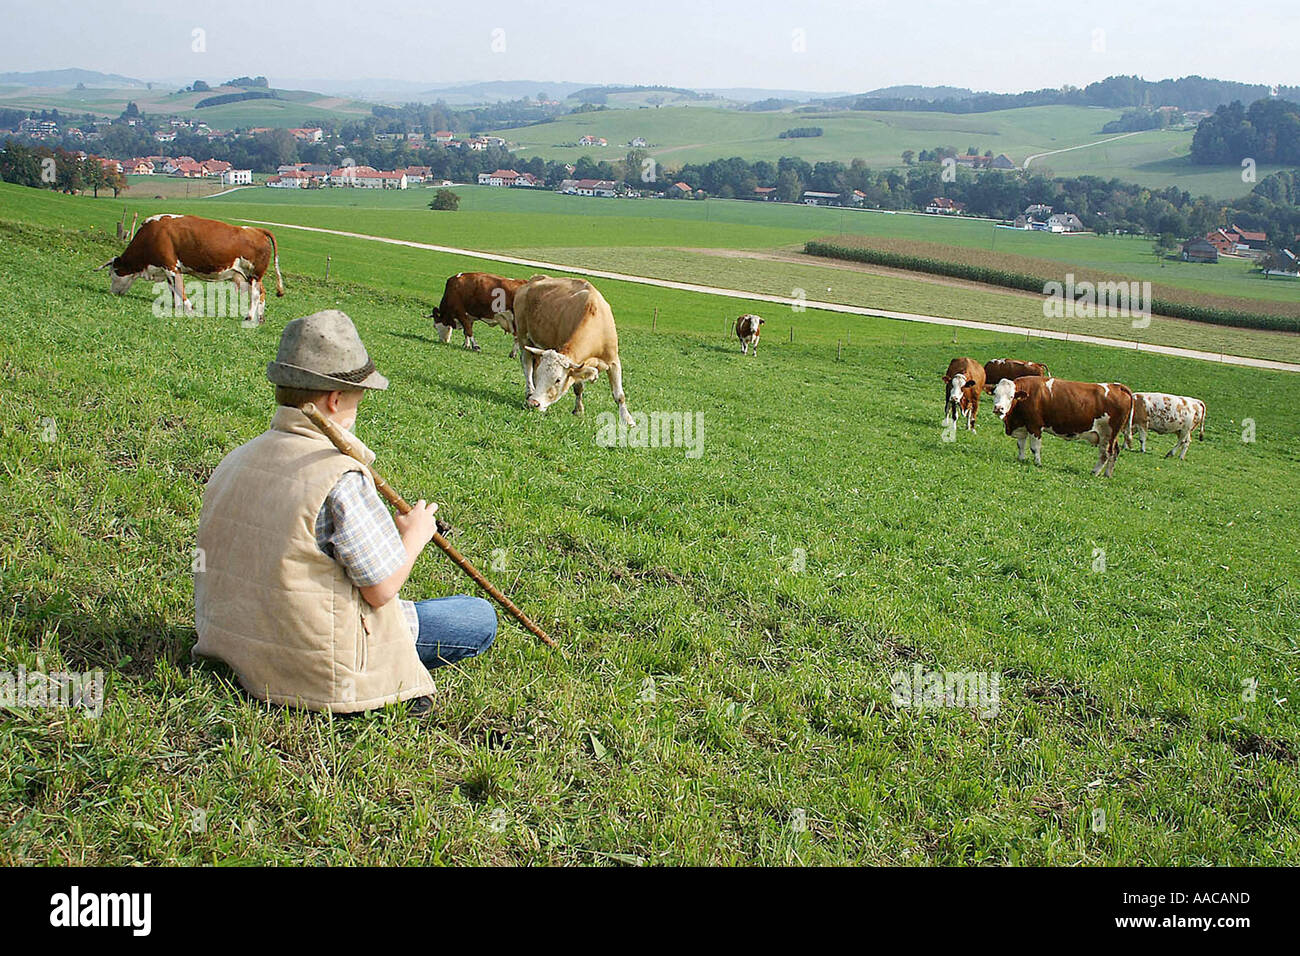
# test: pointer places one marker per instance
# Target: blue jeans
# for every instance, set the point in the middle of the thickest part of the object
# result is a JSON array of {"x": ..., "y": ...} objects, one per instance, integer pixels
[{"x": 454, "y": 628}]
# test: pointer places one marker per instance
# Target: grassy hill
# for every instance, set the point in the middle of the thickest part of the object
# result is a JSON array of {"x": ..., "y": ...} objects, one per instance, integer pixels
[
  {"x": 691, "y": 135},
  {"x": 290, "y": 108},
  {"x": 733, "y": 622}
]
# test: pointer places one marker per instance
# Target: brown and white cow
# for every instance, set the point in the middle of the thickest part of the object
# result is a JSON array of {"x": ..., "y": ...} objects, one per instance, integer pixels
[
  {"x": 168, "y": 247},
  {"x": 962, "y": 384},
  {"x": 476, "y": 295},
  {"x": 748, "y": 328},
  {"x": 566, "y": 334},
  {"x": 996, "y": 370},
  {"x": 1165, "y": 414},
  {"x": 1098, "y": 413}
]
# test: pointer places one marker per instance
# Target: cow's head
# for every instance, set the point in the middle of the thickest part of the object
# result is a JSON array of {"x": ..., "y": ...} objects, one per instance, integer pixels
[
  {"x": 117, "y": 283},
  {"x": 1005, "y": 395},
  {"x": 443, "y": 329},
  {"x": 553, "y": 373},
  {"x": 954, "y": 393}
]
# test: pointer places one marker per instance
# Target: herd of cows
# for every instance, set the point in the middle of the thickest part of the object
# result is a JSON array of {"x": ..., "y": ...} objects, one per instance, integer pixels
[
  {"x": 1030, "y": 401},
  {"x": 564, "y": 336}
]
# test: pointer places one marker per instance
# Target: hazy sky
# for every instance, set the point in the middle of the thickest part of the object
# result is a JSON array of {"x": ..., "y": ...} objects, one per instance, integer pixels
[{"x": 1004, "y": 46}]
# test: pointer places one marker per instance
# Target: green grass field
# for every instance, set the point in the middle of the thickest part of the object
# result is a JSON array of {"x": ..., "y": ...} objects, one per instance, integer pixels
[
  {"x": 732, "y": 622},
  {"x": 662, "y": 239},
  {"x": 693, "y": 134}
]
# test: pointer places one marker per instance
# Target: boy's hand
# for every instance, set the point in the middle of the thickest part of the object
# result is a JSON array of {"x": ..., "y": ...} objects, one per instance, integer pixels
[{"x": 418, "y": 523}]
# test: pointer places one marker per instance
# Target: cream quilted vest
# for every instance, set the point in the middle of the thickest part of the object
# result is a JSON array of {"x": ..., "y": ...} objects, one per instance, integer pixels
[{"x": 283, "y": 615}]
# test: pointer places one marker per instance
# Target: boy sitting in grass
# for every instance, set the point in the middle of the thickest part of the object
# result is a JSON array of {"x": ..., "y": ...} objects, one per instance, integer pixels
[{"x": 301, "y": 562}]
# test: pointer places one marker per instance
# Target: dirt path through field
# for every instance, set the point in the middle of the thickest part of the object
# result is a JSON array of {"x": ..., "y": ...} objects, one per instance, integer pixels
[{"x": 805, "y": 303}]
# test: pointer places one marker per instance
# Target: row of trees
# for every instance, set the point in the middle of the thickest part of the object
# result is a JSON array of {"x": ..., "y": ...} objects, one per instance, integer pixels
[{"x": 59, "y": 169}]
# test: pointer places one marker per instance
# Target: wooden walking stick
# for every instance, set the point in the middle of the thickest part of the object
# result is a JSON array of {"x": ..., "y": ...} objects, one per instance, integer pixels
[{"x": 343, "y": 444}]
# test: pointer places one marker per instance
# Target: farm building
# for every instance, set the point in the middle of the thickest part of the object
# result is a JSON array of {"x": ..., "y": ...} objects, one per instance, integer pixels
[
  {"x": 596, "y": 187},
  {"x": 1199, "y": 250},
  {"x": 813, "y": 198}
]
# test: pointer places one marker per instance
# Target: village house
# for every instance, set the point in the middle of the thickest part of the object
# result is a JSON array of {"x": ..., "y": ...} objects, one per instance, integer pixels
[
  {"x": 1064, "y": 222},
  {"x": 1254, "y": 241},
  {"x": 501, "y": 177},
  {"x": 417, "y": 174},
  {"x": 308, "y": 134},
  {"x": 592, "y": 141},
  {"x": 680, "y": 189},
  {"x": 638, "y": 143},
  {"x": 596, "y": 187},
  {"x": 139, "y": 166},
  {"x": 765, "y": 193},
  {"x": 290, "y": 179},
  {"x": 237, "y": 177},
  {"x": 1226, "y": 241},
  {"x": 443, "y": 136},
  {"x": 942, "y": 205}
]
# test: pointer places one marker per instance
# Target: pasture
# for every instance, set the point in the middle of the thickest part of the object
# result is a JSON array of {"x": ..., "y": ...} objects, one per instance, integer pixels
[{"x": 732, "y": 622}]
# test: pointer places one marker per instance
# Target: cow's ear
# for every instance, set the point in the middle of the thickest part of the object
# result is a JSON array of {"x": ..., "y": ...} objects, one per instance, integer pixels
[
  {"x": 946, "y": 378},
  {"x": 586, "y": 373},
  {"x": 1021, "y": 392},
  {"x": 989, "y": 387}
]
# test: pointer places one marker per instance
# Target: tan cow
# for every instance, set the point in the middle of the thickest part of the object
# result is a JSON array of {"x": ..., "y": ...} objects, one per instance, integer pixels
[
  {"x": 962, "y": 384},
  {"x": 1098, "y": 413},
  {"x": 566, "y": 335},
  {"x": 1164, "y": 414},
  {"x": 168, "y": 247}
]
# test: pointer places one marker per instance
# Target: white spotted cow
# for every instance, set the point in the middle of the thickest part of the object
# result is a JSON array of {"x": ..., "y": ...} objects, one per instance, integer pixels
[
  {"x": 168, "y": 247},
  {"x": 1166, "y": 414},
  {"x": 748, "y": 328},
  {"x": 1098, "y": 413}
]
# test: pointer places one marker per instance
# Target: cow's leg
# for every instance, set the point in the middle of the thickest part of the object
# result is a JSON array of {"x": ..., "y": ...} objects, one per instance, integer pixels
[
  {"x": 744, "y": 346},
  {"x": 467, "y": 324},
  {"x": 755, "y": 344},
  {"x": 1187, "y": 441},
  {"x": 615, "y": 374},
  {"x": 514, "y": 348},
  {"x": 1036, "y": 446},
  {"x": 526, "y": 363},
  {"x": 256, "y": 302},
  {"x": 179, "y": 300},
  {"x": 1112, "y": 454},
  {"x": 1020, "y": 435},
  {"x": 1142, "y": 435},
  {"x": 1104, "y": 440},
  {"x": 974, "y": 410},
  {"x": 577, "y": 394}
]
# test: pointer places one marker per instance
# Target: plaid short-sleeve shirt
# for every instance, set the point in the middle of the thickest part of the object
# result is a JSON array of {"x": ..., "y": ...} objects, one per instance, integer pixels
[{"x": 355, "y": 529}]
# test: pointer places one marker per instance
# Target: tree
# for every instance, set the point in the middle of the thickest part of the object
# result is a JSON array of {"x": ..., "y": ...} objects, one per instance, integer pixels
[
  {"x": 445, "y": 199},
  {"x": 908, "y": 157},
  {"x": 788, "y": 186},
  {"x": 1164, "y": 244}
]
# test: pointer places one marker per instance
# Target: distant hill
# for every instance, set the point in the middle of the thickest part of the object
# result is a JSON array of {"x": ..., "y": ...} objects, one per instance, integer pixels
[
  {"x": 929, "y": 93},
  {"x": 70, "y": 77},
  {"x": 1114, "y": 92}
]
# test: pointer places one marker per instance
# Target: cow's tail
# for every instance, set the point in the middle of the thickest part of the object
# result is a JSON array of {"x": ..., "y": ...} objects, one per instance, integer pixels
[
  {"x": 1132, "y": 403},
  {"x": 275, "y": 257},
  {"x": 1204, "y": 412}
]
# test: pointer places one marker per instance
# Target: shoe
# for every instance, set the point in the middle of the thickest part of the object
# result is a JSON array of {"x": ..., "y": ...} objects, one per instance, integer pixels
[{"x": 420, "y": 706}]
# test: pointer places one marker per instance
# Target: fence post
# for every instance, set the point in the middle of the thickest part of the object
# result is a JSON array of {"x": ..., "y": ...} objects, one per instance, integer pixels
[
  {"x": 327, "y": 268},
  {"x": 654, "y": 321}
]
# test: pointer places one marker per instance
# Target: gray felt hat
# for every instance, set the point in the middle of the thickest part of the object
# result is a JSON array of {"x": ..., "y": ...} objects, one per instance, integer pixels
[{"x": 323, "y": 351}]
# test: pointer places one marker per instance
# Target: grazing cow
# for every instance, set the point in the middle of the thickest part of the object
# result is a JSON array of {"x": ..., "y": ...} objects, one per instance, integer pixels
[
  {"x": 748, "y": 328},
  {"x": 476, "y": 295},
  {"x": 962, "y": 384},
  {"x": 998, "y": 369},
  {"x": 1098, "y": 413},
  {"x": 168, "y": 247},
  {"x": 566, "y": 335},
  {"x": 1163, "y": 414}
]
